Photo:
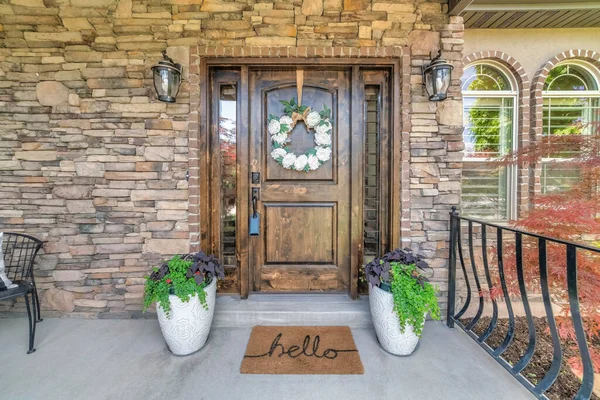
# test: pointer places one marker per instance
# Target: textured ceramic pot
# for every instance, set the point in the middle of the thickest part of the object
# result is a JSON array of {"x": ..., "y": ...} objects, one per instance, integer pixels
[
  {"x": 186, "y": 328},
  {"x": 387, "y": 325}
]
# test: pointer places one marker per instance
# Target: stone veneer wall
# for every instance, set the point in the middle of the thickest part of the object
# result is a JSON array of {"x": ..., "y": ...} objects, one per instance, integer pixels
[{"x": 94, "y": 165}]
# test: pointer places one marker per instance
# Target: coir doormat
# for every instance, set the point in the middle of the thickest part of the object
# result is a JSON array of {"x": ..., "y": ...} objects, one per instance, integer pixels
[{"x": 301, "y": 350}]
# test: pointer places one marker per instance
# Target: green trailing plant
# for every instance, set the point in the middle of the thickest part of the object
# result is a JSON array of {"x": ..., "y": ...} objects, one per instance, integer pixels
[
  {"x": 399, "y": 272},
  {"x": 183, "y": 276},
  {"x": 414, "y": 297}
]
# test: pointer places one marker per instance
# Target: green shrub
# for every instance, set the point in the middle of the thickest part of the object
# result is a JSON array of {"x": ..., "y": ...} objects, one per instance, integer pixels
[{"x": 414, "y": 297}]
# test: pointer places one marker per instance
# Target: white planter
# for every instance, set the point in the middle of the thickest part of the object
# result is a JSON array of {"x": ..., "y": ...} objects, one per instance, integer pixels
[
  {"x": 387, "y": 325},
  {"x": 187, "y": 327}
]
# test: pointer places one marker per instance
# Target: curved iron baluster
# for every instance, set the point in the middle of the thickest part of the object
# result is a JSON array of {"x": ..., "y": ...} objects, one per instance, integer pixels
[
  {"x": 476, "y": 275},
  {"x": 488, "y": 278},
  {"x": 587, "y": 384},
  {"x": 452, "y": 268},
  {"x": 554, "y": 370},
  {"x": 530, "y": 325},
  {"x": 464, "y": 269},
  {"x": 510, "y": 333}
]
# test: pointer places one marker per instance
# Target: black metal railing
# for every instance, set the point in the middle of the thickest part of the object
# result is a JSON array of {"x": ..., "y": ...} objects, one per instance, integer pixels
[{"x": 482, "y": 284}]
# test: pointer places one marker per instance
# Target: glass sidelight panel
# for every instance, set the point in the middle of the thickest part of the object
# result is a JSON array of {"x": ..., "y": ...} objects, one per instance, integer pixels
[
  {"x": 227, "y": 141},
  {"x": 372, "y": 192}
]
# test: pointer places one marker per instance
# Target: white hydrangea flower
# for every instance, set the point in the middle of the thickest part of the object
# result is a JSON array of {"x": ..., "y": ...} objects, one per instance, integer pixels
[
  {"x": 312, "y": 119},
  {"x": 288, "y": 160},
  {"x": 277, "y": 153},
  {"x": 280, "y": 138},
  {"x": 322, "y": 139},
  {"x": 323, "y": 153},
  {"x": 325, "y": 128},
  {"x": 300, "y": 163},
  {"x": 287, "y": 120},
  {"x": 313, "y": 162},
  {"x": 274, "y": 127}
]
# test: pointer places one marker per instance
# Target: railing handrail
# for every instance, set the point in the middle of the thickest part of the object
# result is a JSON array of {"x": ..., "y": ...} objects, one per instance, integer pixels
[{"x": 515, "y": 230}]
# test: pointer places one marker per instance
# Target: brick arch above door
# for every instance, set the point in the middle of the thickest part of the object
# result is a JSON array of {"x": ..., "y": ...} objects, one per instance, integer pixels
[{"x": 523, "y": 85}]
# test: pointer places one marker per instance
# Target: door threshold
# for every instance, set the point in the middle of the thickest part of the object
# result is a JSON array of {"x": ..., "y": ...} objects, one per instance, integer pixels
[
  {"x": 286, "y": 297},
  {"x": 292, "y": 309}
]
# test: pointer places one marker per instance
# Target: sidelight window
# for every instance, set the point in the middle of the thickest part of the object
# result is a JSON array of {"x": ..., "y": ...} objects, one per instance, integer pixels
[
  {"x": 372, "y": 192},
  {"x": 227, "y": 141}
]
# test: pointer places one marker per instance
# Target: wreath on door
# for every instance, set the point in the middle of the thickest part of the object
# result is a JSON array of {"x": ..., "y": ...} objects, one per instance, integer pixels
[{"x": 281, "y": 128}]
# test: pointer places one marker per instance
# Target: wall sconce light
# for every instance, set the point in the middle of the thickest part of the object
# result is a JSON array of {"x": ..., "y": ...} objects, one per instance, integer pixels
[
  {"x": 167, "y": 78},
  {"x": 437, "y": 77}
]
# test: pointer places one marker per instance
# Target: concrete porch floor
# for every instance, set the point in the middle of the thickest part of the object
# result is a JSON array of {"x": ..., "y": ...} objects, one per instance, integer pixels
[{"x": 128, "y": 359}]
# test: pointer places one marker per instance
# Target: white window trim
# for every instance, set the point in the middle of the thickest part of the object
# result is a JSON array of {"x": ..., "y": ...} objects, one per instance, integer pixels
[
  {"x": 511, "y": 173},
  {"x": 558, "y": 94}
]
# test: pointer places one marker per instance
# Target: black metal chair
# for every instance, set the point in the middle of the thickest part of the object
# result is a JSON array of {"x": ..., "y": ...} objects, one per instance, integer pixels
[{"x": 19, "y": 255}]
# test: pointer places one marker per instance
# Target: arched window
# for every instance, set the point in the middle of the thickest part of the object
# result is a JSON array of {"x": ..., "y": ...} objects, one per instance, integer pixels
[
  {"x": 489, "y": 112},
  {"x": 571, "y": 106}
]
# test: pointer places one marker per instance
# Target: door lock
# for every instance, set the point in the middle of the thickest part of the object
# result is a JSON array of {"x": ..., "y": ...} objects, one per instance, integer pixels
[{"x": 255, "y": 178}]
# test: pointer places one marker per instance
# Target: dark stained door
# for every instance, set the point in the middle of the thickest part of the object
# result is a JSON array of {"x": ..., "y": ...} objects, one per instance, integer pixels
[{"x": 304, "y": 242}]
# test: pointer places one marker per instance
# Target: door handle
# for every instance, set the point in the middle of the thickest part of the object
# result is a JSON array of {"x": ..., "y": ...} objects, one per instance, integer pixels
[{"x": 254, "y": 225}]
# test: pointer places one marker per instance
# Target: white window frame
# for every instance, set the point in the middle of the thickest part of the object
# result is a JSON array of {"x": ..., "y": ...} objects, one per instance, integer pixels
[
  {"x": 511, "y": 170},
  {"x": 558, "y": 94}
]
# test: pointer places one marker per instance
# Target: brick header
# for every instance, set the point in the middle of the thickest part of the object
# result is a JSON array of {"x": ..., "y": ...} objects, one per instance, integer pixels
[
  {"x": 575, "y": 54},
  {"x": 297, "y": 51}
]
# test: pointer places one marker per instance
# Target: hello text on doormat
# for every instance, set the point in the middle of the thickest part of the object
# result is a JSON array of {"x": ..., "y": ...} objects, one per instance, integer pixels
[{"x": 301, "y": 350}]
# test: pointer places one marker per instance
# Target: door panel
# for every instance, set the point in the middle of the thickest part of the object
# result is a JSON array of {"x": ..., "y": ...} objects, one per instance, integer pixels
[
  {"x": 300, "y": 233},
  {"x": 304, "y": 242}
]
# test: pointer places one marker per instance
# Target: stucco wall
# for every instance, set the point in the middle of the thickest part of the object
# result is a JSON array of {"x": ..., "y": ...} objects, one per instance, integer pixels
[
  {"x": 94, "y": 165},
  {"x": 532, "y": 48}
]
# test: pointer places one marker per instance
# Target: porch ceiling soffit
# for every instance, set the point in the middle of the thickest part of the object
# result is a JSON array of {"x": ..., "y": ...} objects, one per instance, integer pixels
[{"x": 510, "y": 14}]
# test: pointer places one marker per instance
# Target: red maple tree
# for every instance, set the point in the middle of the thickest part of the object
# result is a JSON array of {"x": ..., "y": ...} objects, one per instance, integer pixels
[{"x": 571, "y": 215}]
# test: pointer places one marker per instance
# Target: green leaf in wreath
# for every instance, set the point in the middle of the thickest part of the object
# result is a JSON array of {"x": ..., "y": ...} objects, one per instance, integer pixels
[
  {"x": 284, "y": 128},
  {"x": 285, "y": 103},
  {"x": 302, "y": 108},
  {"x": 326, "y": 113},
  {"x": 312, "y": 152}
]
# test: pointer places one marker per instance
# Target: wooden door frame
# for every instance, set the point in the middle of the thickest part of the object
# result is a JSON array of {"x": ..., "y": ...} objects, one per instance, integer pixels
[{"x": 206, "y": 237}]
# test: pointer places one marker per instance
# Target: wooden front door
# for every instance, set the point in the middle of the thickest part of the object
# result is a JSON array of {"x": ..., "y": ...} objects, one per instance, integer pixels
[{"x": 304, "y": 239}]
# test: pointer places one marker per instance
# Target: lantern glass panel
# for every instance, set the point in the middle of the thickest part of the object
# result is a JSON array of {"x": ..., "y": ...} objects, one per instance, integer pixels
[
  {"x": 429, "y": 82},
  {"x": 166, "y": 83},
  {"x": 442, "y": 80}
]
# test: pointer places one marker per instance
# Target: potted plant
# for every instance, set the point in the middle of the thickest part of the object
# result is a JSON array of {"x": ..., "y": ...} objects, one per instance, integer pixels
[
  {"x": 400, "y": 297},
  {"x": 184, "y": 289}
]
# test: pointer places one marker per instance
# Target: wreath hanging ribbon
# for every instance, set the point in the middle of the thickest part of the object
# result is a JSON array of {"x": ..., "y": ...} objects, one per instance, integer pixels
[{"x": 280, "y": 129}]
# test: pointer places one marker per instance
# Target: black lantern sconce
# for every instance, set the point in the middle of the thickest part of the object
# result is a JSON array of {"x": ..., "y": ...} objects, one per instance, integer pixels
[
  {"x": 167, "y": 78},
  {"x": 437, "y": 77}
]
